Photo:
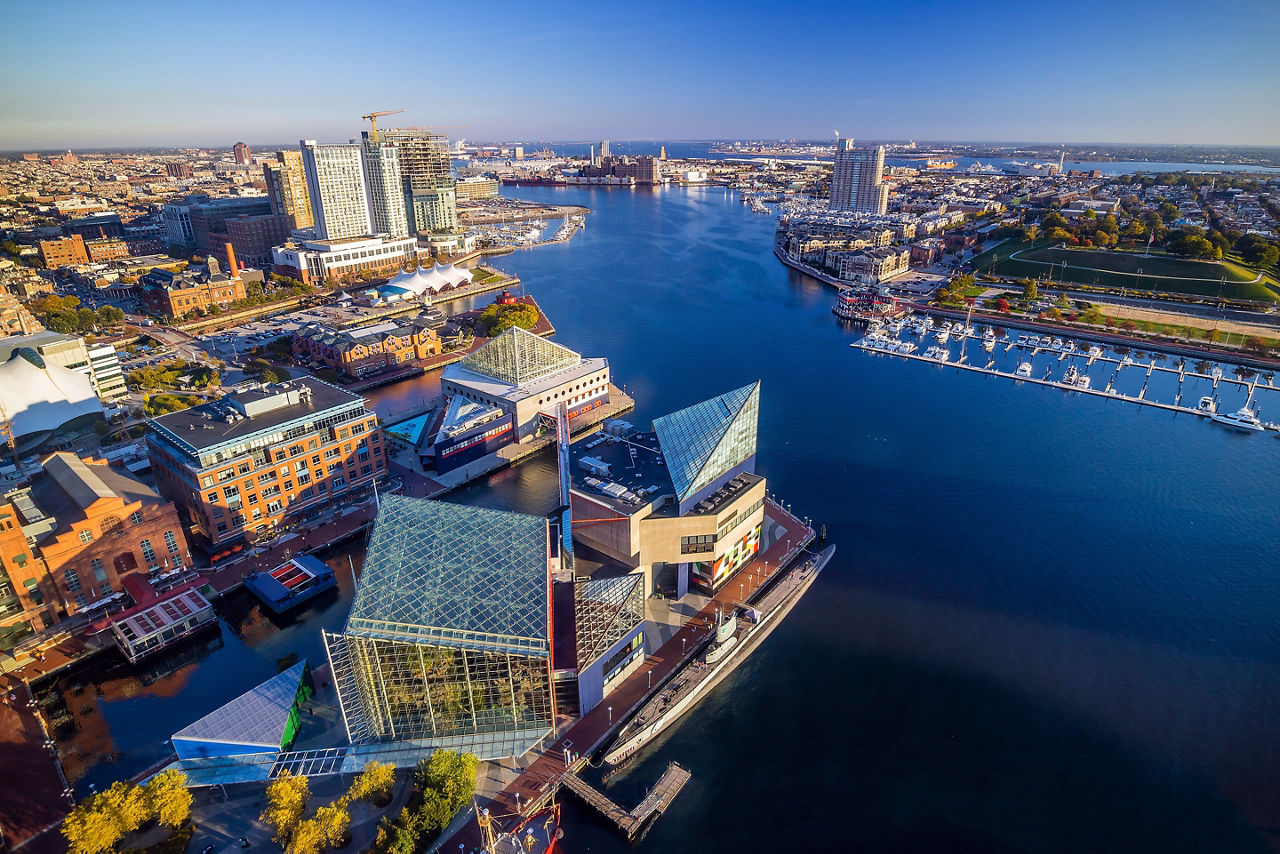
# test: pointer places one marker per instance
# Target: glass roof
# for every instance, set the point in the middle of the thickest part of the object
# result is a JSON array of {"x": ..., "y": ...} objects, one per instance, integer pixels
[
  {"x": 454, "y": 575},
  {"x": 517, "y": 357},
  {"x": 256, "y": 717},
  {"x": 703, "y": 441},
  {"x": 606, "y": 610}
]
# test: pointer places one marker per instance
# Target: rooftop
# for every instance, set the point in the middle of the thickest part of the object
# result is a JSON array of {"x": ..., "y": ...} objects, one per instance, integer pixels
[
  {"x": 70, "y": 486},
  {"x": 246, "y": 413},
  {"x": 517, "y": 357},
  {"x": 454, "y": 575},
  {"x": 258, "y": 717}
]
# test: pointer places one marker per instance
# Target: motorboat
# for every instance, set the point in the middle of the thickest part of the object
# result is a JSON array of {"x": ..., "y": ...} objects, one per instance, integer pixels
[
  {"x": 1095, "y": 352},
  {"x": 907, "y": 347},
  {"x": 1022, "y": 340},
  {"x": 1216, "y": 373},
  {"x": 1057, "y": 344},
  {"x": 943, "y": 336},
  {"x": 1024, "y": 369},
  {"x": 1243, "y": 419},
  {"x": 1208, "y": 405}
]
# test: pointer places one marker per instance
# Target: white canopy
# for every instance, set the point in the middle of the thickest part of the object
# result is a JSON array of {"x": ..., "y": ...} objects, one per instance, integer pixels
[{"x": 37, "y": 399}]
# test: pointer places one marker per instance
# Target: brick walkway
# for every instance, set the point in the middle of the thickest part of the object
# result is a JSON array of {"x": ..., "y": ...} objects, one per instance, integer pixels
[
  {"x": 591, "y": 731},
  {"x": 30, "y": 784}
]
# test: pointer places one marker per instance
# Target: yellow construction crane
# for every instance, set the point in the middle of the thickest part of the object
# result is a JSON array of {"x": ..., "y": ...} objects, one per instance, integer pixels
[{"x": 373, "y": 120}]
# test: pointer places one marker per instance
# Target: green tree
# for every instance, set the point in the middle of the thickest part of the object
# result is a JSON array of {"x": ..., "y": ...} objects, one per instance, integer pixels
[
  {"x": 169, "y": 797},
  {"x": 497, "y": 319},
  {"x": 1029, "y": 291},
  {"x": 286, "y": 800},
  {"x": 451, "y": 773}
]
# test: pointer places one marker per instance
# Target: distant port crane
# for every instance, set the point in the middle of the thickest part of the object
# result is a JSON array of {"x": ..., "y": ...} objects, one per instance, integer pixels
[{"x": 373, "y": 121}]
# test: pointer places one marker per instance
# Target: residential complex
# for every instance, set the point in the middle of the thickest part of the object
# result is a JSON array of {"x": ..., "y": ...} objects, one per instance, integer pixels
[
  {"x": 337, "y": 189},
  {"x": 857, "y": 179},
  {"x": 286, "y": 180},
  {"x": 382, "y": 179},
  {"x": 241, "y": 153},
  {"x": 253, "y": 459},
  {"x": 427, "y": 183}
]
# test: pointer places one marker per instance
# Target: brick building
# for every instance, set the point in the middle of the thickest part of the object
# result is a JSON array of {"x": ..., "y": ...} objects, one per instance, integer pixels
[
  {"x": 248, "y": 462},
  {"x": 63, "y": 252},
  {"x": 251, "y": 238},
  {"x": 27, "y": 595},
  {"x": 93, "y": 525},
  {"x": 168, "y": 294},
  {"x": 106, "y": 249},
  {"x": 368, "y": 349}
]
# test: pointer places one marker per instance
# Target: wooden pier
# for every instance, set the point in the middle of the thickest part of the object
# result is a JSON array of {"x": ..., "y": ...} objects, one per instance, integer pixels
[{"x": 631, "y": 823}]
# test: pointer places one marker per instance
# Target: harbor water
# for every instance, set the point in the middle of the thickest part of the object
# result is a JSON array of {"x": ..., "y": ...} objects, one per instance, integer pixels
[{"x": 1050, "y": 624}]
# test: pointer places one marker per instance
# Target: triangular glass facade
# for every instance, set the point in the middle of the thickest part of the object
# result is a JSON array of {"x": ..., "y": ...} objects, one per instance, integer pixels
[
  {"x": 606, "y": 611},
  {"x": 454, "y": 575},
  {"x": 703, "y": 441},
  {"x": 517, "y": 357}
]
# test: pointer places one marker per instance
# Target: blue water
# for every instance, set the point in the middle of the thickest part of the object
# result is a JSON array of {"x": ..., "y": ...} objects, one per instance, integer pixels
[{"x": 1050, "y": 625}]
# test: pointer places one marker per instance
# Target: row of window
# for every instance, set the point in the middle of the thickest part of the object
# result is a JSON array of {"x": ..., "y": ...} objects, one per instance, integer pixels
[{"x": 697, "y": 544}]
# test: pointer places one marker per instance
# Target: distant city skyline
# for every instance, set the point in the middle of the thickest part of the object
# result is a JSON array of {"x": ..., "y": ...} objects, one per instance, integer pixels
[{"x": 1116, "y": 72}]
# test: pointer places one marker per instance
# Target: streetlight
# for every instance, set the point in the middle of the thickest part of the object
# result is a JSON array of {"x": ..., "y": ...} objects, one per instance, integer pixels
[
  {"x": 611, "y": 715},
  {"x": 650, "y": 678},
  {"x": 682, "y": 643}
]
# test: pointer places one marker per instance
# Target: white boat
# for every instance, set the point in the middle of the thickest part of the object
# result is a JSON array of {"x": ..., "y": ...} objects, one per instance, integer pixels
[
  {"x": 1057, "y": 344},
  {"x": 1208, "y": 405},
  {"x": 944, "y": 354},
  {"x": 1069, "y": 346},
  {"x": 1022, "y": 340},
  {"x": 1244, "y": 419},
  {"x": 1126, "y": 361},
  {"x": 1024, "y": 369},
  {"x": 1095, "y": 352},
  {"x": 989, "y": 344},
  {"x": 907, "y": 347},
  {"x": 943, "y": 336},
  {"x": 1216, "y": 373}
]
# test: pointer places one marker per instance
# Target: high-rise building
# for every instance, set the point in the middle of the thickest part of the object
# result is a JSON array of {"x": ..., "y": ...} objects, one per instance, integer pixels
[
  {"x": 856, "y": 182},
  {"x": 241, "y": 152},
  {"x": 382, "y": 180},
  {"x": 178, "y": 170},
  {"x": 604, "y": 148},
  {"x": 426, "y": 178},
  {"x": 338, "y": 191},
  {"x": 287, "y": 187}
]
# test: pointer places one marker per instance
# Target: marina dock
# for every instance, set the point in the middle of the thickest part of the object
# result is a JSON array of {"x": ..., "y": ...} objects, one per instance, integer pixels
[
  {"x": 1147, "y": 368},
  {"x": 654, "y": 803}
]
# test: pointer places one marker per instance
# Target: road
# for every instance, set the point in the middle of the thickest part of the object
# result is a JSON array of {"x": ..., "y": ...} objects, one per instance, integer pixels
[{"x": 1191, "y": 309}]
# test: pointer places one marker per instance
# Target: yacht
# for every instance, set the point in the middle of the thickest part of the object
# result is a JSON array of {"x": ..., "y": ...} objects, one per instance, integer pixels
[
  {"x": 1069, "y": 346},
  {"x": 944, "y": 354},
  {"x": 1057, "y": 344},
  {"x": 989, "y": 341},
  {"x": 1244, "y": 419},
  {"x": 1095, "y": 352},
  {"x": 1022, "y": 340},
  {"x": 907, "y": 347},
  {"x": 1075, "y": 379},
  {"x": 1207, "y": 406},
  {"x": 1024, "y": 369},
  {"x": 944, "y": 335}
]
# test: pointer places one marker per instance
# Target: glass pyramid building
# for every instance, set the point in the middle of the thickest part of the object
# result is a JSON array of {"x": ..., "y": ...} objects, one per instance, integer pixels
[
  {"x": 448, "y": 640},
  {"x": 703, "y": 442},
  {"x": 518, "y": 357}
]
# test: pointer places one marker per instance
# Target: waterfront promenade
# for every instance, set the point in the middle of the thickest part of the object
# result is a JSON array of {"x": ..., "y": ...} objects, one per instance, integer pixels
[{"x": 541, "y": 777}]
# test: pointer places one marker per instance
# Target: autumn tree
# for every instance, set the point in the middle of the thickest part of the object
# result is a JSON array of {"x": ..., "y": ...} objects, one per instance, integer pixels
[
  {"x": 128, "y": 805},
  {"x": 169, "y": 797},
  {"x": 286, "y": 799},
  {"x": 307, "y": 838},
  {"x": 374, "y": 783},
  {"x": 334, "y": 819},
  {"x": 89, "y": 830}
]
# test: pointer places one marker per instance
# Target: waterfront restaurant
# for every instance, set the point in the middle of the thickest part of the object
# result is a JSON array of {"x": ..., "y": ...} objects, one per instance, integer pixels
[{"x": 681, "y": 503}]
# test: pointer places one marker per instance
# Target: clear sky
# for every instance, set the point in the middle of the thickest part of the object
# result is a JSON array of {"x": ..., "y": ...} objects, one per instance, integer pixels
[{"x": 138, "y": 72}]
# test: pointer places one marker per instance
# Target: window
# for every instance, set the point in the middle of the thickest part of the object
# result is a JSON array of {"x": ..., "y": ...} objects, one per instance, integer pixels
[
  {"x": 331, "y": 453},
  {"x": 366, "y": 469},
  {"x": 72, "y": 579},
  {"x": 82, "y": 602},
  {"x": 304, "y": 477},
  {"x": 256, "y": 514},
  {"x": 148, "y": 553},
  {"x": 698, "y": 544},
  {"x": 222, "y": 527},
  {"x": 213, "y": 497},
  {"x": 86, "y": 536},
  {"x": 231, "y": 492},
  {"x": 109, "y": 524},
  {"x": 266, "y": 477},
  {"x": 253, "y": 498},
  {"x": 135, "y": 518},
  {"x": 171, "y": 542},
  {"x": 206, "y": 481},
  {"x": 275, "y": 507},
  {"x": 99, "y": 571}
]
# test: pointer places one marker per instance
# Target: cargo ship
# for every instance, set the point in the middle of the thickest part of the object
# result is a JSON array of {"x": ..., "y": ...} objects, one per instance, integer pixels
[
  {"x": 537, "y": 834},
  {"x": 736, "y": 637},
  {"x": 534, "y": 181},
  {"x": 939, "y": 164},
  {"x": 291, "y": 583}
]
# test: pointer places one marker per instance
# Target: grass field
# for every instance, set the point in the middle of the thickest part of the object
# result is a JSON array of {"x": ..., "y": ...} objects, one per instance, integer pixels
[{"x": 1119, "y": 270}]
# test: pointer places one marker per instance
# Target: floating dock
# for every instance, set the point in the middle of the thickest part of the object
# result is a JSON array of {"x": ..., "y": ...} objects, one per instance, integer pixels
[
  {"x": 1109, "y": 392},
  {"x": 655, "y": 802}
]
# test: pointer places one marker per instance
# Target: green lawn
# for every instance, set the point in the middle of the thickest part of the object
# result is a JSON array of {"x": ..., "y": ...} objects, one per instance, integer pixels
[{"x": 1119, "y": 270}]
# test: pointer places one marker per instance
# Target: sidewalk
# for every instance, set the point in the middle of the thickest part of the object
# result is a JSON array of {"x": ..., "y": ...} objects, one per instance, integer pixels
[{"x": 541, "y": 777}]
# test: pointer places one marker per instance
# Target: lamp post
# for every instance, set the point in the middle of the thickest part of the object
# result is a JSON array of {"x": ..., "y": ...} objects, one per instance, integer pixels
[{"x": 611, "y": 715}]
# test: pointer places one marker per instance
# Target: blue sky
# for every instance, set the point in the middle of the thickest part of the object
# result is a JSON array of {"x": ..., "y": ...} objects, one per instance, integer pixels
[{"x": 79, "y": 74}]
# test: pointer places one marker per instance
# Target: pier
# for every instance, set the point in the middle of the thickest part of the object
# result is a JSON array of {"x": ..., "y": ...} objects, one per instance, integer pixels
[
  {"x": 1148, "y": 368},
  {"x": 654, "y": 803}
]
